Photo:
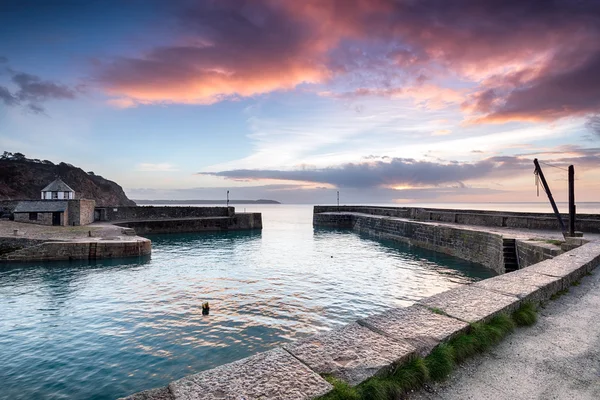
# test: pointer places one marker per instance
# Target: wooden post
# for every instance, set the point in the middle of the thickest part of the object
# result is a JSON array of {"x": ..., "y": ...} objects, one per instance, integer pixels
[
  {"x": 538, "y": 169},
  {"x": 338, "y": 200},
  {"x": 571, "y": 201}
]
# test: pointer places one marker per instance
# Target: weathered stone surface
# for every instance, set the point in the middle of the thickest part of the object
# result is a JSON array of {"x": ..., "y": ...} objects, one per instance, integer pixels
[
  {"x": 352, "y": 353},
  {"x": 471, "y": 304},
  {"x": 416, "y": 325},
  {"x": 524, "y": 284},
  {"x": 570, "y": 266},
  {"x": 162, "y": 393},
  {"x": 274, "y": 374}
]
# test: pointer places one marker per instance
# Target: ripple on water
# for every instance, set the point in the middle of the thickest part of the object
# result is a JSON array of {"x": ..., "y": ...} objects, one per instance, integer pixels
[{"x": 106, "y": 329}]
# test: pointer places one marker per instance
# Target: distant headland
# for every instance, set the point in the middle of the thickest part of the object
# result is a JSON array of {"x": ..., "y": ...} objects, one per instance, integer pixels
[{"x": 180, "y": 202}]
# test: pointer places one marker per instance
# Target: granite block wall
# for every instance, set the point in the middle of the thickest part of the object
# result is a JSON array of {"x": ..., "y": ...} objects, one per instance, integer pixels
[
  {"x": 57, "y": 251},
  {"x": 164, "y": 212},
  {"x": 244, "y": 221},
  {"x": 532, "y": 252},
  {"x": 480, "y": 247}
]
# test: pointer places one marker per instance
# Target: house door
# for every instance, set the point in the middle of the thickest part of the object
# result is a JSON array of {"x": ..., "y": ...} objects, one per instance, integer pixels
[{"x": 55, "y": 218}]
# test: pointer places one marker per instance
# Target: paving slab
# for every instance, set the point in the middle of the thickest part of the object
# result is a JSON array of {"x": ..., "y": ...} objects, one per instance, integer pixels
[
  {"x": 471, "y": 304},
  {"x": 525, "y": 284},
  {"x": 272, "y": 375},
  {"x": 416, "y": 325},
  {"x": 572, "y": 265},
  {"x": 352, "y": 353}
]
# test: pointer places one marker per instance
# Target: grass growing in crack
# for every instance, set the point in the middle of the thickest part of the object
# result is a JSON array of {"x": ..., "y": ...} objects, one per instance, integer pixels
[
  {"x": 576, "y": 283},
  {"x": 438, "y": 364},
  {"x": 554, "y": 242},
  {"x": 436, "y": 310},
  {"x": 526, "y": 315},
  {"x": 559, "y": 294}
]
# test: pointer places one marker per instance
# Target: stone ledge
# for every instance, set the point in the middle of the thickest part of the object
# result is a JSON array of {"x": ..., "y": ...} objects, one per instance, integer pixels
[
  {"x": 352, "y": 353},
  {"x": 272, "y": 375},
  {"x": 525, "y": 284},
  {"x": 416, "y": 325},
  {"x": 471, "y": 304},
  {"x": 570, "y": 266}
]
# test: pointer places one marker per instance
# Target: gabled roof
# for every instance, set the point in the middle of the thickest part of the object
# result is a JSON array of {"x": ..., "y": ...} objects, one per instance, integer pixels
[
  {"x": 57, "y": 186},
  {"x": 41, "y": 206}
]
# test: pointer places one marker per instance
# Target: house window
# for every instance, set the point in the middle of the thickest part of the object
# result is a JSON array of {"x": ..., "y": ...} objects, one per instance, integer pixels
[
  {"x": 33, "y": 216},
  {"x": 66, "y": 196},
  {"x": 54, "y": 195}
]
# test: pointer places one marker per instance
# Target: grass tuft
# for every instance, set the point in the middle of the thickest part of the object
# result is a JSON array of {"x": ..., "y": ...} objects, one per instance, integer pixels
[
  {"x": 411, "y": 375},
  {"x": 341, "y": 390},
  {"x": 464, "y": 347},
  {"x": 576, "y": 283},
  {"x": 440, "y": 362},
  {"x": 526, "y": 315},
  {"x": 436, "y": 310}
]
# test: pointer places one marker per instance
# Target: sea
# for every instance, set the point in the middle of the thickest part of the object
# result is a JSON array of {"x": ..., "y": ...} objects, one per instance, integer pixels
[{"x": 106, "y": 329}]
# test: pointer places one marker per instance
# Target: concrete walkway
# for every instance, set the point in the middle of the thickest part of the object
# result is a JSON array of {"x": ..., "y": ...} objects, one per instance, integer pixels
[{"x": 558, "y": 358}]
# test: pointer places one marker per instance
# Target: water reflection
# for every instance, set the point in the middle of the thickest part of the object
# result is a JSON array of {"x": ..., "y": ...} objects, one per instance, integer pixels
[{"x": 113, "y": 327}]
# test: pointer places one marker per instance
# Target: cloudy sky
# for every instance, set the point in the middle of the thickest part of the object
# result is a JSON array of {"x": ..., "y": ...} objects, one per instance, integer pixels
[{"x": 383, "y": 100}]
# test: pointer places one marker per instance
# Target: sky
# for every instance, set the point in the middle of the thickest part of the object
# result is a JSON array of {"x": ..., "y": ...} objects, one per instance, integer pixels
[{"x": 385, "y": 101}]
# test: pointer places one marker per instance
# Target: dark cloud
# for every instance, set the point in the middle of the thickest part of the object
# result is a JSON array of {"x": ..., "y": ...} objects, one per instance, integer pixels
[
  {"x": 551, "y": 95},
  {"x": 398, "y": 171},
  {"x": 543, "y": 52},
  {"x": 7, "y": 97},
  {"x": 409, "y": 172},
  {"x": 593, "y": 124},
  {"x": 32, "y": 91},
  {"x": 33, "y": 88}
]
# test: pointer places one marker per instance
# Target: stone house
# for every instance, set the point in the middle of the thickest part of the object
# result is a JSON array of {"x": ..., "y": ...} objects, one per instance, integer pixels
[{"x": 58, "y": 207}]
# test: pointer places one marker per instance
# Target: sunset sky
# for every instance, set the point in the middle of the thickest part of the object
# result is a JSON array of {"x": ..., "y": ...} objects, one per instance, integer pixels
[{"x": 291, "y": 100}]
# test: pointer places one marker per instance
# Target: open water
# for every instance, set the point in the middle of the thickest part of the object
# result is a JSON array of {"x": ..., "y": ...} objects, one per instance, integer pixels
[{"x": 106, "y": 329}]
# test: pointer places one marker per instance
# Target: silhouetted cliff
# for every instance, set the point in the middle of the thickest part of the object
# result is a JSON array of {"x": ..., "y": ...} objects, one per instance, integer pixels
[{"x": 22, "y": 178}]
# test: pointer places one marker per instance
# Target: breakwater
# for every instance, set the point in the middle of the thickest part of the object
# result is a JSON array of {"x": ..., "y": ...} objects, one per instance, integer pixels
[
  {"x": 80, "y": 250},
  {"x": 504, "y": 219},
  {"x": 244, "y": 221}
]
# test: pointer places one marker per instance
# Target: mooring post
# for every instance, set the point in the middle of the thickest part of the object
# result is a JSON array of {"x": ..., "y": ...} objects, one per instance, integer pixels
[
  {"x": 571, "y": 201},
  {"x": 228, "y": 198},
  {"x": 338, "y": 200},
  {"x": 538, "y": 170}
]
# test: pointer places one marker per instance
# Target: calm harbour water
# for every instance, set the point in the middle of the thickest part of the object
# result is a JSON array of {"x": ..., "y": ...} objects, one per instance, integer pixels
[{"x": 110, "y": 328}]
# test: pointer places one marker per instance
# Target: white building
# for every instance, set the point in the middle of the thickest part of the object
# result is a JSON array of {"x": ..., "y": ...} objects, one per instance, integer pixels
[{"x": 58, "y": 190}]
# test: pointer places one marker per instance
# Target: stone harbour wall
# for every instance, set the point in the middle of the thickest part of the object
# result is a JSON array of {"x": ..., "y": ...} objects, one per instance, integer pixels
[
  {"x": 163, "y": 212},
  {"x": 376, "y": 344},
  {"x": 9, "y": 244},
  {"x": 242, "y": 221},
  {"x": 542, "y": 221},
  {"x": 81, "y": 250},
  {"x": 481, "y": 247},
  {"x": 532, "y": 252}
]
